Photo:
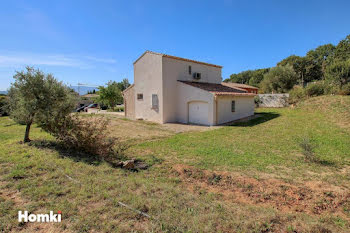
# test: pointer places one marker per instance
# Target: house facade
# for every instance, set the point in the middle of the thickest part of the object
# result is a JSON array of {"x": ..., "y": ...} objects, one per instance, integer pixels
[{"x": 173, "y": 89}]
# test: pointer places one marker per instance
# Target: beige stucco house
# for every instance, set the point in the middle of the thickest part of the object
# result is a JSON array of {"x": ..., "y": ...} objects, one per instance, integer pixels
[{"x": 173, "y": 89}]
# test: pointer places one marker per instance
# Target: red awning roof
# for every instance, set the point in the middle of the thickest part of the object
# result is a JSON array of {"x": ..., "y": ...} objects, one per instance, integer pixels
[
  {"x": 239, "y": 85},
  {"x": 219, "y": 89}
]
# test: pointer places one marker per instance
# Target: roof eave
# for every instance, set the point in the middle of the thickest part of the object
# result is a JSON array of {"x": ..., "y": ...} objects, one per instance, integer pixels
[
  {"x": 233, "y": 94},
  {"x": 177, "y": 58}
]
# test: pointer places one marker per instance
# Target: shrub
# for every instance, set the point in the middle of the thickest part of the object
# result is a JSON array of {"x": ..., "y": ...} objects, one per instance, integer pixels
[
  {"x": 338, "y": 72},
  {"x": 315, "y": 89},
  {"x": 330, "y": 88},
  {"x": 88, "y": 135},
  {"x": 257, "y": 101},
  {"x": 308, "y": 150},
  {"x": 3, "y": 105},
  {"x": 116, "y": 109},
  {"x": 345, "y": 90},
  {"x": 296, "y": 94}
]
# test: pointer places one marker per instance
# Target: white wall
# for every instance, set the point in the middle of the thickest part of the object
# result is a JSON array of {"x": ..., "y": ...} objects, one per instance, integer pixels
[
  {"x": 244, "y": 108},
  {"x": 186, "y": 94},
  {"x": 148, "y": 81},
  {"x": 174, "y": 70}
]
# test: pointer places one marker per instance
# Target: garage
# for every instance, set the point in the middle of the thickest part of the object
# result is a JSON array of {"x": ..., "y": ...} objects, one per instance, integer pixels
[{"x": 198, "y": 112}]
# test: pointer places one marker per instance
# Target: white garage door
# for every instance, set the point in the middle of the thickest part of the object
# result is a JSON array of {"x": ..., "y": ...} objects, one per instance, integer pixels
[{"x": 198, "y": 113}]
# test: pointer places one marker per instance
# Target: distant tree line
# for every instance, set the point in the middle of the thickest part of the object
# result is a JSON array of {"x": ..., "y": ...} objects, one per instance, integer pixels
[{"x": 327, "y": 67}]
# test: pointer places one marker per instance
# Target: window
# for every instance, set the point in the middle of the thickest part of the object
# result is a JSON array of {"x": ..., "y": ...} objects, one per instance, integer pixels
[
  {"x": 139, "y": 96},
  {"x": 233, "y": 106},
  {"x": 154, "y": 101},
  {"x": 189, "y": 70},
  {"x": 197, "y": 75}
]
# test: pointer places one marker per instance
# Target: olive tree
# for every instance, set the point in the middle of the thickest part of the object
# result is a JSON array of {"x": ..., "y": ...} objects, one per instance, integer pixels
[
  {"x": 279, "y": 79},
  {"x": 36, "y": 97}
]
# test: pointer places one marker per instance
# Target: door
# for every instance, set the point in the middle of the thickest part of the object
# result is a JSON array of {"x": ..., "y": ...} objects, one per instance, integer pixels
[{"x": 198, "y": 113}]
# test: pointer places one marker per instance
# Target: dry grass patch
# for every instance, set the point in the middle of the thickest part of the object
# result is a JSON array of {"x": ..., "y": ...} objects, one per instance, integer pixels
[
  {"x": 313, "y": 197},
  {"x": 140, "y": 130}
]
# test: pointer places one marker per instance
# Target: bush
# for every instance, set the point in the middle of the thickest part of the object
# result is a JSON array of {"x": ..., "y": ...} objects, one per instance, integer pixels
[
  {"x": 296, "y": 95},
  {"x": 88, "y": 135},
  {"x": 338, "y": 72},
  {"x": 3, "y": 103},
  {"x": 331, "y": 88},
  {"x": 116, "y": 109},
  {"x": 308, "y": 150},
  {"x": 257, "y": 100},
  {"x": 345, "y": 90},
  {"x": 315, "y": 89}
]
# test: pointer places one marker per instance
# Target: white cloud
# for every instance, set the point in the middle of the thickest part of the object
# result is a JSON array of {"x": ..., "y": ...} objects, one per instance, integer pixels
[{"x": 82, "y": 62}]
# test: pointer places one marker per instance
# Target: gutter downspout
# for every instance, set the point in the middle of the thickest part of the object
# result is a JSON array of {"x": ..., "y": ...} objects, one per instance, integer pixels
[{"x": 216, "y": 109}]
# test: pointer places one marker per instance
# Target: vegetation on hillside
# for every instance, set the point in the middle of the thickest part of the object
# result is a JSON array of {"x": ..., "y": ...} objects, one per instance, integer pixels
[{"x": 327, "y": 64}]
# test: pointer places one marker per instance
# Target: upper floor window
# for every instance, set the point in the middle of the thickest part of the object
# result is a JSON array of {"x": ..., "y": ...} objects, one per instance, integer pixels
[
  {"x": 140, "y": 96},
  {"x": 189, "y": 70},
  {"x": 155, "y": 101}
]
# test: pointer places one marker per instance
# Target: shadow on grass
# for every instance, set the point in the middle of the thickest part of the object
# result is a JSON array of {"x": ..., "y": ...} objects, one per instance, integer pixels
[
  {"x": 261, "y": 118},
  {"x": 326, "y": 163},
  {"x": 76, "y": 156},
  {"x": 115, "y": 159},
  {"x": 11, "y": 124}
]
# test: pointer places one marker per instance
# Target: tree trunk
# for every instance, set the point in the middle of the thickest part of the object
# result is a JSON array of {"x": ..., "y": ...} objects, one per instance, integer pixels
[
  {"x": 302, "y": 79},
  {"x": 26, "y": 135}
]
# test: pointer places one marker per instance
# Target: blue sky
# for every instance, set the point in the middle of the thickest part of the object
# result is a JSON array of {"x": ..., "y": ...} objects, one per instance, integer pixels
[{"x": 96, "y": 41}]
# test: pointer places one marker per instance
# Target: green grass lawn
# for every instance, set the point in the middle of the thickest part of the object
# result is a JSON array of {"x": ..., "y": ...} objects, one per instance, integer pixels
[
  {"x": 264, "y": 144},
  {"x": 240, "y": 178}
]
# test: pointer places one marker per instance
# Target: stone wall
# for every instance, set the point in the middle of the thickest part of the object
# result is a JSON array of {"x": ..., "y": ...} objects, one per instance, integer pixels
[{"x": 273, "y": 100}]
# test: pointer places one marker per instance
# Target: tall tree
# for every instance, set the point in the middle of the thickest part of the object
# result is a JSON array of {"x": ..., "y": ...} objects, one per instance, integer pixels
[
  {"x": 305, "y": 67},
  {"x": 339, "y": 72},
  {"x": 123, "y": 84},
  {"x": 321, "y": 56},
  {"x": 36, "y": 97},
  {"x": 342, "y": 50},
  {"x": 111, "y": 94},
  {"x": 279, "y": 79},
  {"x": 257, "y": 76},
  {"x": 298, "y": 64},
  {"x": 242, "y": 77}
]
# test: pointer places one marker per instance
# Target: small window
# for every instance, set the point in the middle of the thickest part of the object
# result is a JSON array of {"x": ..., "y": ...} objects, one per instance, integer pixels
[
  {"x": 139, "y": 96},
  {"x": 189, "y": 70},
  {"x": 197, "y": 75},
  {"x": 233, "y": 106},
  {"x": 154, "y": 101}
]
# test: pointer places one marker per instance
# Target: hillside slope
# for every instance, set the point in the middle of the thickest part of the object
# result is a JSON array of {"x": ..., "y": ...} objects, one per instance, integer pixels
[{"x": 335, "y": 108}]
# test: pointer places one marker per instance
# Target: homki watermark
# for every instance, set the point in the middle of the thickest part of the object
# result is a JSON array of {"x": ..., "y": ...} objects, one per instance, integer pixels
[{"x": 51, "y": 217}]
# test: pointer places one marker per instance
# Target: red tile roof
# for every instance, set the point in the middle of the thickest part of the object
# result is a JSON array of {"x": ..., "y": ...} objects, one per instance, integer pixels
[
  {"x": 218, "y": 89},
  {"x": 239, "y": 85}
]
